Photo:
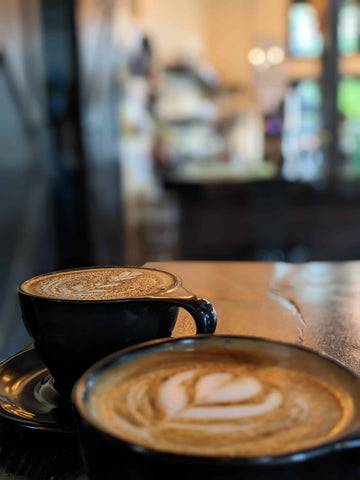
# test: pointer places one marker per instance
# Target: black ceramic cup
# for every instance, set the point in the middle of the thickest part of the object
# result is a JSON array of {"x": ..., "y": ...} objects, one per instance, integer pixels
[
  {"x": 109, "y": 457},
  {"x": 71, "y": 335}
]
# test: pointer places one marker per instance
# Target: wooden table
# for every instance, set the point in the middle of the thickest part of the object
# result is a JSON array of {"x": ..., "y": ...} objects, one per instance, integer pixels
[{"x": 316, "y": 304}]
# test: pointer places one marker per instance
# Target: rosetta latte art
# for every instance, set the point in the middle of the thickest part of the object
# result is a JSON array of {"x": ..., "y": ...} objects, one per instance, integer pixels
[
  {"x": 99, "y": 283},
  {"x": 220, "y": 408},
  {"x": 73, "y": 287}
]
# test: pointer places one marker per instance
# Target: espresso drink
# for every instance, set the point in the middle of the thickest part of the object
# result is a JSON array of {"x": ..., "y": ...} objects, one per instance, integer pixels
[
  {"x": 217, "y": 402},
  {"x": 104, "y": 283}
]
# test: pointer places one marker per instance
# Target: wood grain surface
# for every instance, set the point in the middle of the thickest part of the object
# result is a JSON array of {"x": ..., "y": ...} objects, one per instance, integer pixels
[{"x": 316, "y": 304}]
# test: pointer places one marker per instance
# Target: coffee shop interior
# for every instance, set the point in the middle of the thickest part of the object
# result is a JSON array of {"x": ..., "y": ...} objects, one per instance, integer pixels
[{"x": 156, "y": 130}]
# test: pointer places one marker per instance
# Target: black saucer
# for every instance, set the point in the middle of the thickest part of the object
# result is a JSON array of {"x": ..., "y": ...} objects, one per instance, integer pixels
[
  {"x": 78, "y": 474},
  {"x": 27, "y": 395}
]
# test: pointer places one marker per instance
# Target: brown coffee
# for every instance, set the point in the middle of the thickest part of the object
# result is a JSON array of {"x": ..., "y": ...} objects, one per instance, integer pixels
[
  {"x": 101, "y": 283},
  {"x": 218, "y": 403}
]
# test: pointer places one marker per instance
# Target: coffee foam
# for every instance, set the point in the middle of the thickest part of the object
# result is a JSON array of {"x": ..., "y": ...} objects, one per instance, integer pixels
[
  {"x": 203, "y": 403},
  {"x": 107, "y": 283}
]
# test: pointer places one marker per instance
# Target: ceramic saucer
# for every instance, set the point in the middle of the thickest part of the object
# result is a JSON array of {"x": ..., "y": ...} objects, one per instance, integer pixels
[
  {"x": 75, "y": 475},
  {"x": 27, "y": 395}
]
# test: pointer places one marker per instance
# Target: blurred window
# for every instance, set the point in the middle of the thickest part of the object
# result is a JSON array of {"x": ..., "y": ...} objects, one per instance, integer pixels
[
  {"x": 349, "y": 27},
  {"x": 305, "y": 38}
]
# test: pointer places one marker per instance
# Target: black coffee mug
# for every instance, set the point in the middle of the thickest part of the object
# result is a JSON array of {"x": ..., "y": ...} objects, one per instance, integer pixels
[
  {"x": 71, "y": 335},
  {"x": 107, "y": 457}
]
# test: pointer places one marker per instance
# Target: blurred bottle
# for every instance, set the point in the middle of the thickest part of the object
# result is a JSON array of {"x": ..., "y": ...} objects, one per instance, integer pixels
[{"x": 301, "y": 141}]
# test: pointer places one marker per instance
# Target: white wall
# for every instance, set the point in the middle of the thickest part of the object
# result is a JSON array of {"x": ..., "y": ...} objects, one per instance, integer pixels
[
  {"x": 224, "y": 30},
  {"x": 233, "y": 27},
  {"x": 176, "y": 26}
]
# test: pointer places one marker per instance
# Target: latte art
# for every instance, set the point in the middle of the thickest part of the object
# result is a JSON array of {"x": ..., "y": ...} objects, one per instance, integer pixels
[
  {"x": 202, "y": 404},
  {"x": 106, "y": 283}
]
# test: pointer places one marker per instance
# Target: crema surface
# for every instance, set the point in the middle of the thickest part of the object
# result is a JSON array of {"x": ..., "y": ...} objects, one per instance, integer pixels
[
  {"x": 218, "y": 403},
  {"x": 109, "y": 283}
]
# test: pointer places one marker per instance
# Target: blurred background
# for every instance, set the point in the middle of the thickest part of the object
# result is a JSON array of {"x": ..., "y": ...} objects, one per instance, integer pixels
[{"x": 155, "y": 130}]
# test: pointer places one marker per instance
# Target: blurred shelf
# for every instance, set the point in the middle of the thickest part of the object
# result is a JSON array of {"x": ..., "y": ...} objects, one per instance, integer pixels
[
  {"x": 350, "y": 65},
  {"x": 298, "y": 68},
  {"x": 219, "y": 172},
  {"x": 302, "y": 68}
]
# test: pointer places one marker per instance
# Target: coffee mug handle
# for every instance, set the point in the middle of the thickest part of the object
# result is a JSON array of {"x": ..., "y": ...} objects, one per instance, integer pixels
[
  {"x": 202, "y": 312},
  {"x": 200, "y": 309}
]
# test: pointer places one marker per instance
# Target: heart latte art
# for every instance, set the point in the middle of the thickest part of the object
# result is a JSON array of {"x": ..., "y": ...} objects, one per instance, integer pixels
[
  {"x": 205, "y": 403},
  {"x": 101, "y": 283}
]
